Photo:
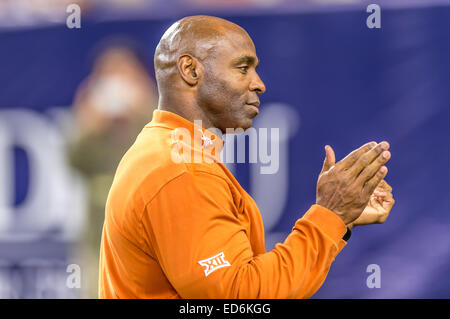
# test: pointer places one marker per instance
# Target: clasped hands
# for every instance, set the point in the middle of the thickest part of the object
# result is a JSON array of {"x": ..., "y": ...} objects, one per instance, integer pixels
[{"x": 354, "y": 188}]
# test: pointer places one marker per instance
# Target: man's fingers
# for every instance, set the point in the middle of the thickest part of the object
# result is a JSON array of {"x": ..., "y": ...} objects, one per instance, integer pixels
[
  {"x": 377, "y": 193},
  {"x": 367, "y": 158},
  {"x": 351, "y": 158},
  {"x": 384, "y": 186},
  {"x": 383, "y": 190},
  {"x": 369, "y": 171},
  {"x": 330, "y": 156},
  {"x": 371, "y": 184},
  {"x": 330, "y": 159}
]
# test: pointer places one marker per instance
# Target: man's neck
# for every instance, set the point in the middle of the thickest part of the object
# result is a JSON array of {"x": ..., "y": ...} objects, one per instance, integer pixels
[{"x": 188, "y": 111}]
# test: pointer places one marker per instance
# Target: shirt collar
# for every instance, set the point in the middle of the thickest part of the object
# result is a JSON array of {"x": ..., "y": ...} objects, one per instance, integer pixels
[{"x": 202, "y": 140}]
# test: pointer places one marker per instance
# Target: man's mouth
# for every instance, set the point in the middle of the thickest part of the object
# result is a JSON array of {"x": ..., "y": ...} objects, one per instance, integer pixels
[{"x": 254, "y": 106}]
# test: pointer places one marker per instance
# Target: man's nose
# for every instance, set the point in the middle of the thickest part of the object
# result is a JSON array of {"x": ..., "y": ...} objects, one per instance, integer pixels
[{"x": 257, "y": 85}]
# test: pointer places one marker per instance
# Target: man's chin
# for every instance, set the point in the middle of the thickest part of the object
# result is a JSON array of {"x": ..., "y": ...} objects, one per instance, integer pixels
[
  {"x": 245, "y": 126},
  {"x": 240, "y": 126}
]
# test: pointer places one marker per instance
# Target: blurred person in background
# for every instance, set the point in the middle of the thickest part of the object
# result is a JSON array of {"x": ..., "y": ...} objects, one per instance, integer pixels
[{"x": 111, "y": 106}]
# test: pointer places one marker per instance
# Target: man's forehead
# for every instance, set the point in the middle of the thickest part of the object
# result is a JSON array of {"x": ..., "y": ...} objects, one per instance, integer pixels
[{"x": 238, "y": 48}]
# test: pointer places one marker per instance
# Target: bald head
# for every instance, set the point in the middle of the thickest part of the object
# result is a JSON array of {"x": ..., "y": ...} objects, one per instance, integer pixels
[{"x": 198, "y": 36}]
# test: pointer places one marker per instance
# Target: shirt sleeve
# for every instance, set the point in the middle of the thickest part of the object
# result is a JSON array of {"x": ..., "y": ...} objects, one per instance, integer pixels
[{"x": 195, "y": 231}]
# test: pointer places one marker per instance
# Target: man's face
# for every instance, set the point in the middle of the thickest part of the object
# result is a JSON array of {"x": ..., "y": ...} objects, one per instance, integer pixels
[{"x": 229, "y": 90}]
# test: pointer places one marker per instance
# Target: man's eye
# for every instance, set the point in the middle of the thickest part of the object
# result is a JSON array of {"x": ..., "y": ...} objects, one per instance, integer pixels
[{"x": 244, "y": 69}]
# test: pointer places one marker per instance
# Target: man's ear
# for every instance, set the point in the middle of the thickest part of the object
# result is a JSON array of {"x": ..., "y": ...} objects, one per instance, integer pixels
[{"x": 189, "y": 69}]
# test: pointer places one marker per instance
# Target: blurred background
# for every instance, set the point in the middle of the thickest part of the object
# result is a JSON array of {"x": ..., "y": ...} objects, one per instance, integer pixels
[{"x": 72, "y": 100}]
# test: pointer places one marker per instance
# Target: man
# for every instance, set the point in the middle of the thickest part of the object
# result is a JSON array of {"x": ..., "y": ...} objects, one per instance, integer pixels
[{"x": 177, "y": 227}]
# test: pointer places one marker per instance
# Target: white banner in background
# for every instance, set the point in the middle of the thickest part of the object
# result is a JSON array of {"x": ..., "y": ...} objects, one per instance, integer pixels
[{"x": 54, "y": 198}]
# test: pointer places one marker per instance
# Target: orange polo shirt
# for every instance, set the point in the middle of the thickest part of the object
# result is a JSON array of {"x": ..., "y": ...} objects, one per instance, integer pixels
[{"x": 179, "y": 227}]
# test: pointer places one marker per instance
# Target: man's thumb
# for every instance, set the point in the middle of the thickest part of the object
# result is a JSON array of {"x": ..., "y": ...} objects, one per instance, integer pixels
[{"x": 330, "y": 159}]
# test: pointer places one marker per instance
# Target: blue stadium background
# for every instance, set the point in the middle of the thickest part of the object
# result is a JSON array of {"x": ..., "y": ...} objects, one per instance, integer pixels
[{"x": 339, "y": 82}]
